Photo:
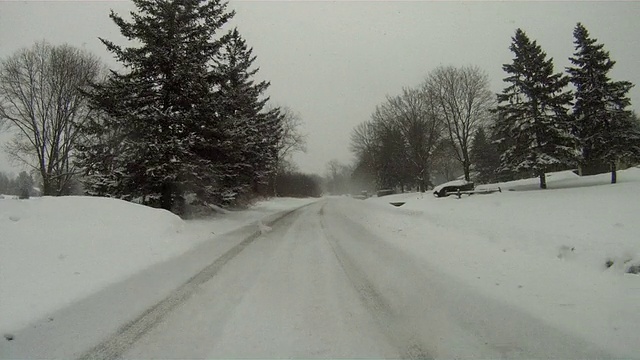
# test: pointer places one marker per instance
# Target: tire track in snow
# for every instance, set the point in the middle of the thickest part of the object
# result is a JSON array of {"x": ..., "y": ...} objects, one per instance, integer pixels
[
  {"x": 450, "y": 318},
  {"x": 403, "y": 339},
  {"x": 116, "y": 345}
]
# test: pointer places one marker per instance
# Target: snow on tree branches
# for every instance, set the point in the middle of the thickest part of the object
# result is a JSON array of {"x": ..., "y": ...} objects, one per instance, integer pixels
[
  {"x": 533, "y": 126},
  {"x": 605, "y": 126},
  {"x": 185, "y": 118}
]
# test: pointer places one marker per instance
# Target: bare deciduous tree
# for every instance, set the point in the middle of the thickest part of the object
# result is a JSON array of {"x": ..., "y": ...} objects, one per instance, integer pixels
[
  {"x": 400, "y": 140},
  {"x": 291, "y": 140},
  {"x": 364, "y": 144},
  {"x": 391, "y": 165},
  {"x": 414, "y": 114},
  {"x": 464, "y": 100},
  {"x": 445, "y": 163},
  {"x": 338, "y": 176},
  {"x": 41, "y": 100},
  {"x": 363, "y": 139}
]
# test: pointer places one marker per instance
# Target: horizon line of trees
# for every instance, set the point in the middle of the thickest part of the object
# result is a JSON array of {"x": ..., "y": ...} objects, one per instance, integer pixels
[
  {"x": 188, "y": 120},
  {"x": 452, "y": 125},
  {"x": 424, "y": 133},
  {"x": 21, "y": 185}
]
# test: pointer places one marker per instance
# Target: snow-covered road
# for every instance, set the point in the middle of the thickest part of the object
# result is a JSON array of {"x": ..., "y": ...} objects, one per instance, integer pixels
[{"x": 318, "y": 285}]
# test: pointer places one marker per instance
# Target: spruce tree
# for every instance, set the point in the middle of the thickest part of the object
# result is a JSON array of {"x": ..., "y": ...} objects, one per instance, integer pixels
[
  {"x": 162, "y": 107},
  {"x": 604, "y": 125},
  {"x": 251, "y": 133},
  {"x": 534, "y": 129}
]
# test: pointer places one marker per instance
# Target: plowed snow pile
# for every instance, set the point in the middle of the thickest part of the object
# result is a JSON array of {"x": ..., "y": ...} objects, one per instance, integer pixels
[
  {"x": 54, "y": 251},
  {"x": 562, "y": 254}
]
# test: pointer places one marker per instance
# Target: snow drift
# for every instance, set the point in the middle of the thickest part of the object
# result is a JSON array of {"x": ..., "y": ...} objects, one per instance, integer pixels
[
  {"x": 561, "y": 254},
  {"x": 54, "y": 251}
]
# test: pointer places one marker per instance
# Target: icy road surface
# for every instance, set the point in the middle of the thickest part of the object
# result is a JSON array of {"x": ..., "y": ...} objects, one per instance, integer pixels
[{"x": 315, "y": 285}]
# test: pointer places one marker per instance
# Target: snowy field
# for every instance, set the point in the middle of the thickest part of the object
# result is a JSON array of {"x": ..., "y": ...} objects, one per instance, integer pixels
[
  {"x": 54, "y": 251},
  {"x": 543, "y": 251}
]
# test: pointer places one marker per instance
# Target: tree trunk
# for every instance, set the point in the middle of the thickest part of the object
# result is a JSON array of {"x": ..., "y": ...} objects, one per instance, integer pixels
[
  {"x": 274, "y": 184},
  {"x": 420, "y": 181},
  {"x": 466, "y": 166},
  {"x": 47, "y": 189},
  {"x": 166, "y": 196},
  {"x": 614, "y": 176},
  {"x": 543, "y": 181}
]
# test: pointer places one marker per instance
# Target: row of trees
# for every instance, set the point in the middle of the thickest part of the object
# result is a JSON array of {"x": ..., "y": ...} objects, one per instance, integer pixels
[
  {"x": 40, "y": 100},
  {"x": 184, "y": 117},
  {"x": 542, "y": 125},
  {"x": 339, "y": 179},
  {"x": 21, "y": 185},
  {"x": 453, "y": 122},
  {"x": 297, "y": 184},
  {"x": 425, "y": 131}
]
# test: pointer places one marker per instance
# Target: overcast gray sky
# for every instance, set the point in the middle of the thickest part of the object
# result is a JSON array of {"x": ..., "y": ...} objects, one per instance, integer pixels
[{"x": 334, "y": 61}]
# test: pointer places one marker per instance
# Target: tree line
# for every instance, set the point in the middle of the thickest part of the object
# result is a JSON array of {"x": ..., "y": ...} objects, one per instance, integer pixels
[
  {"x": 424, "y": 131},
  {"x": 21, "y": 185},
  {"x": 452, "y": 124},
  {"x": 185, "y": 123}
]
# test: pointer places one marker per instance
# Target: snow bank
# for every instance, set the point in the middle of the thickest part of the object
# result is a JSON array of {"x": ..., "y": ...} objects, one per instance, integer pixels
[
  {"x": 595, "y": 220},
  {"x": 54, "y": 251},
  {"x": 543, "y": 251}
]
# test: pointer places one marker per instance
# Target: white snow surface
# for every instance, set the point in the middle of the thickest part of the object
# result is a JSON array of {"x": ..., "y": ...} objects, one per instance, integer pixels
[
  {"x": 542, "y": 251},
  {"x": 57, "y": 250},
  {"x": 513, "y": 274}
]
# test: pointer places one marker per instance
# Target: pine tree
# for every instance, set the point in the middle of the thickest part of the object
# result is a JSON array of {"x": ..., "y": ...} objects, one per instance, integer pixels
[
  {"x": 163, "y": 109},
  {"x": 534, "y": 129},
  {"x": 604, "y": 124},
  {"x": 484, "y": 157},
  {"x": 251, "y": 133}
]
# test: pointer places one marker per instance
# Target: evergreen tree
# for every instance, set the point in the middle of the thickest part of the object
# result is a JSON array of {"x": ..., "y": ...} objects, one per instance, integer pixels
[
  {"x": 251, "y": 133},
  {"x": 5, "y": 184},
  {"x": 484, "y": 157},
  {"x": 163, "y": 109},
  {"x": 604, "y": 124},
  {"x": 533, "y": 129},
  {"x": 25, "y": 185},
  {"x": 633, "y": 157}
]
